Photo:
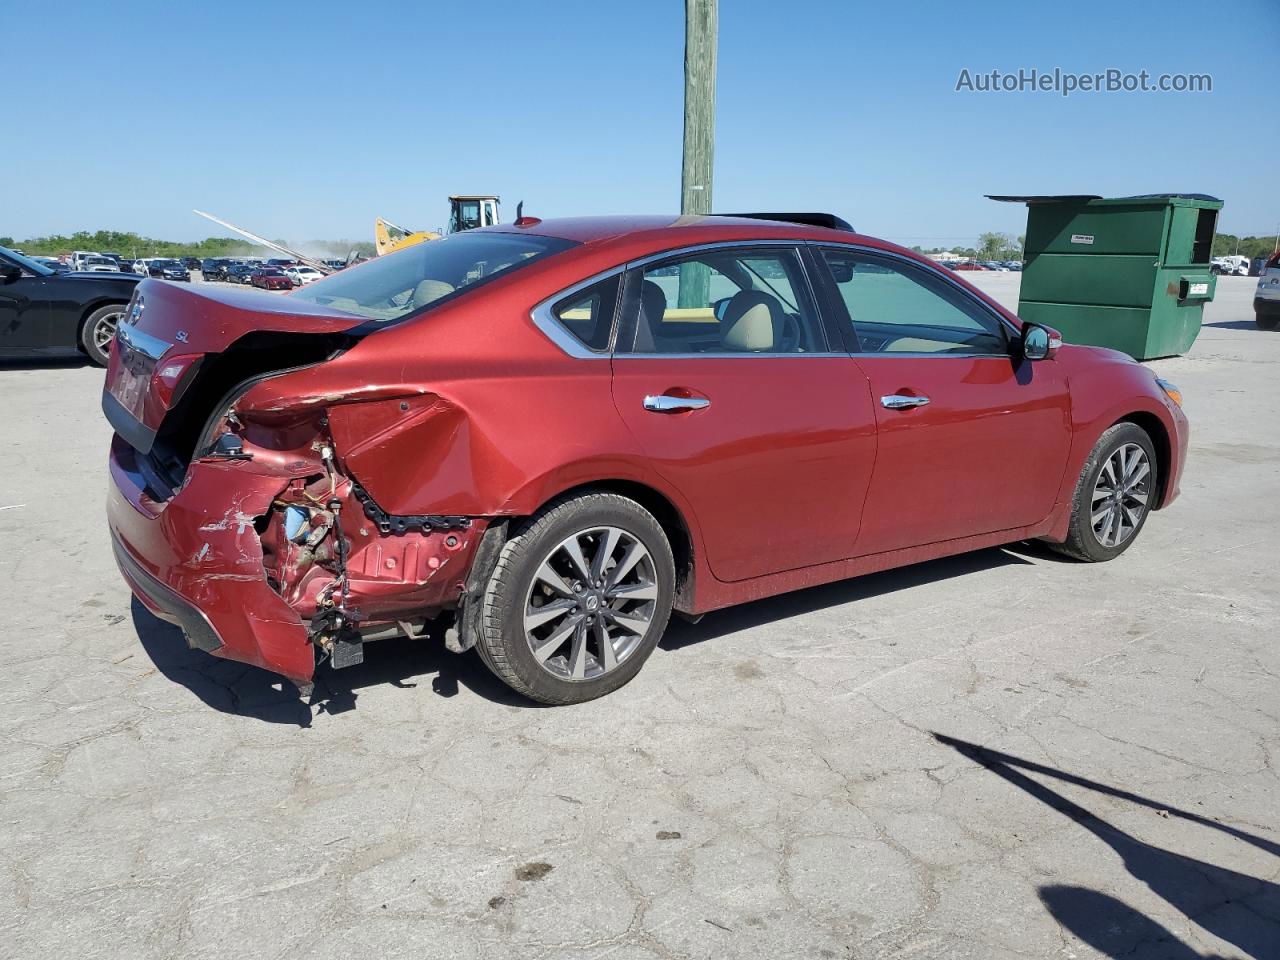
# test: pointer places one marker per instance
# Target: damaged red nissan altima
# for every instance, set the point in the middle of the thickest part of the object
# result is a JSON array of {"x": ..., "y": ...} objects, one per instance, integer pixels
[{"x": 552, "y": 434}]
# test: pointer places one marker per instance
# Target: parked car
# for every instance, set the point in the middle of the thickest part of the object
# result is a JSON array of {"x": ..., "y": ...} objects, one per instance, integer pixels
[
  {"x": 165, "y": 269},
  {"x": 49, "y": 313},
  {"x": 1266, "y": 298},
  {"x": 301, "y": 275},
  {"x": 214, "y": 268},
  {"x": 1233, "y": 266},
  {"x": 238, "y": 273},
  {"x": 126, "y": 266},
  {"x": 53, "y": 263},
  {"x": 968, "y": 266},
  {"x": 282, "y": 263},
  {"x": 97, "y": 265},
  {"x": 553, "y": 435},
  {"x": 191, "y": 263},
  {"x": 269, "y": 278},
  {"x": 79, "y": 259}
]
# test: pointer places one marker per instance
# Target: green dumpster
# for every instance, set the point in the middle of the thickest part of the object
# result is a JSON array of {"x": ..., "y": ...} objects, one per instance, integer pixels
[{"x": 1130, "y": 273}]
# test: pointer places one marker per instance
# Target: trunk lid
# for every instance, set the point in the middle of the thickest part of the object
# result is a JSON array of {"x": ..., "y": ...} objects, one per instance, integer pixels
[{"x": 170, "y": 332}]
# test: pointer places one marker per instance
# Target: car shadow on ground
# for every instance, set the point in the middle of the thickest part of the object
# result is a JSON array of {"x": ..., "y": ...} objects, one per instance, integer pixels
[
  {"x": 1235, "y": 325},
  {"x": 683, "y": 633},
  {"x": 248, "y": 691},
  {"x": 1240, "y": 909},
  {"x": 44, "y": 363}
]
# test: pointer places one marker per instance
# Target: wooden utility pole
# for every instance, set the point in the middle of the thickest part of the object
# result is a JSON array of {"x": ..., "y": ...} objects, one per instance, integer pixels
[
  {"x": 701, "y": 24},
  {"x": 701, "y": 28}
]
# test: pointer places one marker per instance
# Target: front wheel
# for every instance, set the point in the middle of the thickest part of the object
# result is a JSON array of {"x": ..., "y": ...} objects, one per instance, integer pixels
[
  {"x": 578, "y": 600},
  {"x": 1266, "y": 321},
  {"x": 99, "y": 330},
  {"x": 1115, "y": 493}
]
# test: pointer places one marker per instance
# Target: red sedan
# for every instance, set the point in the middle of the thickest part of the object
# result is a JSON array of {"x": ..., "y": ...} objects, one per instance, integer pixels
[
  {"x": 270, "y": 278},
  {"x": 552, "y": 434}
]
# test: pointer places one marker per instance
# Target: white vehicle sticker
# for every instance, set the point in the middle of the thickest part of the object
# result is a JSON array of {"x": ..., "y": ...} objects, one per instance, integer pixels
[
  {"x": 1082, "y": 238},
  {"x": 1199, "y": 290}
]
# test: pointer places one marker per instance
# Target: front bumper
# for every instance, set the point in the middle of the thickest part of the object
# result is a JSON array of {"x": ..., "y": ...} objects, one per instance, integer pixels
[
  {"x": 1179, "y": 441},
  {"x": 196, "y": 560}
]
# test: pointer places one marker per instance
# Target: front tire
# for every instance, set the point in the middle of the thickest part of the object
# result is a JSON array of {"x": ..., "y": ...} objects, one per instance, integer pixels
[
  {"x": 1266, "y": 321},
  {"x": 579, "y": 598},
  {"x": 1117, "y": 488},
  {"x": 99, "y": 330}
]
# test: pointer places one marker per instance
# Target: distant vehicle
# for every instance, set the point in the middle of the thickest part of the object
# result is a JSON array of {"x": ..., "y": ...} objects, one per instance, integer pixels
[
  {"x": 301, "y": 275},
  {"x": 126, "y": 266},
  {"x": 191, "y": 263},
  {"x": 966, "y": 265},
  {"x": 1266, "y": 299},
  {"x": 98, "y": 265},
  {"x": 80, "y": 258},
  {"x": 334, "y": 264},
  {"x": 1231, "y": 266},
  {"x": 277, "y": 262},
  {"x": 1014, "y": 265},
  {"x": 49, "y": 313},
  {"x": 112, "y": 256},
  {"x": 53, "y": 263},
  {"x": 270, "y": 278},
  {"x": 238, "y": 273},
  {"x": 214, "y": 268},
  {"x": 164, "y": 269}
]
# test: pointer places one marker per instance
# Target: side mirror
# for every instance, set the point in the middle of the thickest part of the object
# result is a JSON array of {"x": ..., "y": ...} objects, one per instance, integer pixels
[
  {"x": 1039, "y": 343},
  {"x": 9, "y": 273}
]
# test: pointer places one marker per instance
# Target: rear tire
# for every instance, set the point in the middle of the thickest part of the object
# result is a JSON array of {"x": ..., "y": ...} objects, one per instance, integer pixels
[
  {"x": 546, "y": 619},
  {"x": 1114, "y": 495},
  {"x": 1266, "y": 322},
  {"x": 98, "y": 330}
]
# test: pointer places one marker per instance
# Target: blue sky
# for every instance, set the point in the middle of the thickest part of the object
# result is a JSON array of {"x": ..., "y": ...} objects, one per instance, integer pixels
[{"x": 307, "y": 120}]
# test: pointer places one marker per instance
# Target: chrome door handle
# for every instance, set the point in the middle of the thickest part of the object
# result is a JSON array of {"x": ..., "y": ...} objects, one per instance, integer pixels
[
  {"x": 898, "y": 402},
  {"x": 666, "y": 404}
]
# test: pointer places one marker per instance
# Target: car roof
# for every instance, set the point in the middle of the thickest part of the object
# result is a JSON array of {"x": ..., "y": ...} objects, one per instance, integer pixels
[{"x": 602, "y": 228}]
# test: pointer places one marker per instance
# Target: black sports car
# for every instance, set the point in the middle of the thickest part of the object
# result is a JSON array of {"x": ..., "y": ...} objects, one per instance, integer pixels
[{"x": 48, "y": 314}]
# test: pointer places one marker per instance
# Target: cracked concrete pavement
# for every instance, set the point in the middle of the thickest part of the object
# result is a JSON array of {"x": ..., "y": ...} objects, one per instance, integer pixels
[{"x": 769, "y": 786}]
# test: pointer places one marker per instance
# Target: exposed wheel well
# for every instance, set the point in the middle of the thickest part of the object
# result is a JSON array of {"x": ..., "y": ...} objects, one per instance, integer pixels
[
  {"x": 1160, "y": 440},
  {"x": 668, "y": 517}
]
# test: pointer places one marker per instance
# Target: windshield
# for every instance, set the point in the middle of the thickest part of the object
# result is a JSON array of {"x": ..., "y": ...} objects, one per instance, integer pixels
[
  {"x": 166, "y": 264},
  {"x": 26, "y": 263},
  {"x": 397, "y": 284}
]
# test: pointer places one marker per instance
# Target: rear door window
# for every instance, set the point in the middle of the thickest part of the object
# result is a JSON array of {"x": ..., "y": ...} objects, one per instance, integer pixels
[{"x": 726, "y": 301}]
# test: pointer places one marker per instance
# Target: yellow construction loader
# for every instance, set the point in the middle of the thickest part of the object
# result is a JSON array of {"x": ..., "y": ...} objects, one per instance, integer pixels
[{"x": 465, "y": 213}]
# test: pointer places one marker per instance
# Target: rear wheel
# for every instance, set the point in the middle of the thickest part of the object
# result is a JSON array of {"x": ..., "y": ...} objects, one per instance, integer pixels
[
  {"x": 578, "y": 600},
  {"x": 1114, "y": 494},
  {"x": 1266, "y": 321},
  {"x": 99, "y": 330}
]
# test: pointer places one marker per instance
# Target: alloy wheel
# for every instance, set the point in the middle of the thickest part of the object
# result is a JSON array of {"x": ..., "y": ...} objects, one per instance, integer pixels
[
  {"x": 104, "y": 331},
  {"x": 1121, "y": 495},
  {"x": 591, "y": 603}
]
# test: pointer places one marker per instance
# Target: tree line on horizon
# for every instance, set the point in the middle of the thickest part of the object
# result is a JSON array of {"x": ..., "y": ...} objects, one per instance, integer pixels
[{"x": 133, "y": 245}]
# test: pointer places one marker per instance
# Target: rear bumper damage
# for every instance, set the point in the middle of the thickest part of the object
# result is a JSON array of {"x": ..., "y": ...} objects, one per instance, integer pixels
[{"x": 276, "y": 558}]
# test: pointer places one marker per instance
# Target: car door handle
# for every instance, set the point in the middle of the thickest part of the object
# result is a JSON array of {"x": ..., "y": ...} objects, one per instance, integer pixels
[
  {"x": 668, "y": 404},
  {"x": 898, "y": 402}
]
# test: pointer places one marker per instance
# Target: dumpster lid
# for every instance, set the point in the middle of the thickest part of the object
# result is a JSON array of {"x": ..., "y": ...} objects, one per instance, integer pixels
[
  {"x": 1058, "y": 198},
  {"x": 1085, "y": 197}
]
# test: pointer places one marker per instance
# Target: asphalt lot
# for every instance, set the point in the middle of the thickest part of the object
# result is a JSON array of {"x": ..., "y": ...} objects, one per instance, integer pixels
[{"x": 771, "y": 785}]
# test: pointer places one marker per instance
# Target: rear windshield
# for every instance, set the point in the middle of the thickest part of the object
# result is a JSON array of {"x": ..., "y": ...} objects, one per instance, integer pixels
[{"x": 397, "y": 284}]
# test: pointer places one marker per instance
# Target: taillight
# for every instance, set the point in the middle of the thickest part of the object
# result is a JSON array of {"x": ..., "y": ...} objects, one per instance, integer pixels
[{"x": 170, "y": 377}]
